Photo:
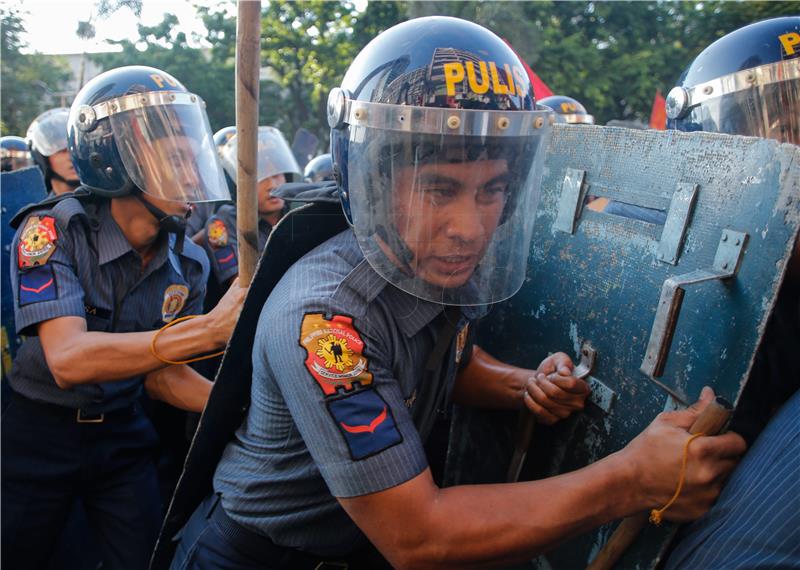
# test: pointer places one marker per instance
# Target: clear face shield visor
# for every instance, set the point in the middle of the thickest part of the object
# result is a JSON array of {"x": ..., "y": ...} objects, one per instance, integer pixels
[
  {"x": 274, "y": 156},
  {"x": 48, "y": 132},
  {"x": 443, "y": 200},
  {"x": 165, "y": 143},
  {"x": 762, "y": 102},
  {"x": 13, "y": 159}
]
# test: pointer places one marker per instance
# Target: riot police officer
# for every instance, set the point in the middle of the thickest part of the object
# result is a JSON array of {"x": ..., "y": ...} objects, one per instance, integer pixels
[
  {"x": 47, "y": 141},
  {"x": 437, "y": 145},
  {"x": 276, "y": 165},
  {"x": 748, "y": 83},
  {"x": 568, "y": 110},
  {"x": 14, "y": 154},
  {"x": 95, "y": 273}
]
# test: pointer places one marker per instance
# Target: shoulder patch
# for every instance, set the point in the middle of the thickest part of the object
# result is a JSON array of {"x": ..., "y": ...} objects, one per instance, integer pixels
[
  {"x": 37, "y": 241},
  {"x": 335, "y": 353},
  {"x": 217, "y": 234},
  {"x": 226, "y": 257},
  {"x": 366, "y": 422},
  {"x": 174, "y": 299},
  {"x": 37, "y": 285}
]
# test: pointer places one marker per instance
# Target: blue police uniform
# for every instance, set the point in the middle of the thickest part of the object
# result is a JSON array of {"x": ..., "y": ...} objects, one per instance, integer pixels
[
  {"x": 221, "y": 242},
  {"x": 92, "y": 441},
  {"x": 342, "y": 401}
]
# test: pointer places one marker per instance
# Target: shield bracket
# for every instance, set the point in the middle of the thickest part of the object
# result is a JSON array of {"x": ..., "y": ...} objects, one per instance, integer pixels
[{"x": 726, "y": 264}]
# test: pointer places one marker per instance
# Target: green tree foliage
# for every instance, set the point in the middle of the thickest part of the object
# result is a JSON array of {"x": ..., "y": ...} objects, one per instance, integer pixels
[{"x": 28, "y": 80}]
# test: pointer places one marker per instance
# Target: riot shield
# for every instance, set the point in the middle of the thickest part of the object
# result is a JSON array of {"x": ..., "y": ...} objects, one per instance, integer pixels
[
  {"x": 665, "y": 308},
  {"x": 299, "y": 231},
  {"x": 17, "y": 189}
]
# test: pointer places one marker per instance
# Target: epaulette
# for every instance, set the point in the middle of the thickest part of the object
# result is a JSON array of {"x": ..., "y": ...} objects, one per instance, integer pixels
[{"x": 64, "y": 207}]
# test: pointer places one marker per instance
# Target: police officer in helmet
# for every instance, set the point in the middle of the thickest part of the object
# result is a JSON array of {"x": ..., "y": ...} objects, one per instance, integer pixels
[
  {"x": 47, "y": 140},
  {"x": 14, "y": 154},
  {"x": 95, "y": 274},
  {"x": 748, "y": 83},
  {"x": 275, "y": 166},
  {"x": 437, "y": 147}
]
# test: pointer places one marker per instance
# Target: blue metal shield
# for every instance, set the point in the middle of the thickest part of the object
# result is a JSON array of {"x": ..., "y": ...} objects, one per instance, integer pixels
[{"x": 672, "y": 291}]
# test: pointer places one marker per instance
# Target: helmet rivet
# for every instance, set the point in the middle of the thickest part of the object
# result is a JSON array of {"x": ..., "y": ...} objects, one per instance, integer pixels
[
  {"x": 144, "y": 100},
  {"x": 82, "y": 118},
  {"x": 502, "y": 123},
  {"x": 401, "y": 118},
  {"x": 708, "y": 89},
  {"x": 109, "y": 171},
  {"x": 538, "y": 123},
  {"x": 193, "y": 98},
  {"x": 453, "y": 122},
  {"x": 172, "y": 97},
  {"x": 750, "y": 77},
  {"x": 360, "y": 114},
  {"x": 113, "y": 106}
]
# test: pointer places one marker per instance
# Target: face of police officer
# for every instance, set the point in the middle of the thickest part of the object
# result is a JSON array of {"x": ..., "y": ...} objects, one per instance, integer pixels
[
  {"x": 446, "y": 214},
  {"x": 268, "y": 205},
  {"x": 61, "y": 164}
]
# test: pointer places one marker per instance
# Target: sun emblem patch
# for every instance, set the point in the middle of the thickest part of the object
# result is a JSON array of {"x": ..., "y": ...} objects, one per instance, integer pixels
[
  {"x": 37, "y": 242},
  {"x": 174, "y": 299},
  {"x": 217, "y": 234},
  {"x": 335, "y": 353}
]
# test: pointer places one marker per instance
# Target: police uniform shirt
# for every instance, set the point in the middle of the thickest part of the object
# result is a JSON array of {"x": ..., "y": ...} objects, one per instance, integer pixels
[
  {"x": 221, "y": 242},
  {"x": 200, "y": 214},
  {"x": 337, "y": 362},
  {"x": 74, "y": 260}
]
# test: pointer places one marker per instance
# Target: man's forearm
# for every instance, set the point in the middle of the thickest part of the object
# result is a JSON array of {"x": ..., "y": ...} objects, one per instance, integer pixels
[
  {"x": 488, "y": 383},
  {"x": 180, "y": 386},
  {"x": 94, "y": 357}
]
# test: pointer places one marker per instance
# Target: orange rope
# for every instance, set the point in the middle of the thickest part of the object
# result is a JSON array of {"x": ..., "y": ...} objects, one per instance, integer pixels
[
  {"x": 656, "y": 515},
  {"x": 167, "y": 361}
]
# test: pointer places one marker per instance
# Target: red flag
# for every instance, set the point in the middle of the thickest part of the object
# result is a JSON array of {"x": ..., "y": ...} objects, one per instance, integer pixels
[
  {"x": 658, "y": 116},
  {"x": 540, "y": 89}
]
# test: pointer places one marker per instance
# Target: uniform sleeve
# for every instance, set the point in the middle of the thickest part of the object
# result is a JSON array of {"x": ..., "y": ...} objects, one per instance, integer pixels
[
  {"x": 43, "y": 275},
  {"x": 221, "y": 246},
  {"x": 335, "y": 376},
  {"x": 197, "y": 274}
]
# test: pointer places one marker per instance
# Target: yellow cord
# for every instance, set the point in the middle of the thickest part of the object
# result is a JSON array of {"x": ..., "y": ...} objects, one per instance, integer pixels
[
  {"x": 657, "y": 514},
  {"x": 166, "y": 361}
]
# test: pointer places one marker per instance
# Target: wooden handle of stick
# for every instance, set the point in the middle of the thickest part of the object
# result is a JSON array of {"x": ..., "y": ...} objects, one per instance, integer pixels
[
  {"x": 248, "y": 64},
  {"x": 710, "y": 422}
]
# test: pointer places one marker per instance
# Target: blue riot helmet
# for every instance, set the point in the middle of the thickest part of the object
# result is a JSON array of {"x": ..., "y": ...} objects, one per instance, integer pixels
[
  {"x": 222, "y": 136},
  {"x": 139, "y": 128},
  {"x": 568, "y": 110},
  {"x": 274, "y": 156},
  {"x": 745, "y": 83},
  {"x": 319, "y": 169},
  {"x": 14, "y": 154},
  {"x": 437, "y": 147},
  {"x": 46, "y": 137}
]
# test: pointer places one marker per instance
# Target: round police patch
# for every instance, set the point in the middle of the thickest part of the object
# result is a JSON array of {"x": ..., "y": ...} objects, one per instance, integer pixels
[{"x": 174, "y": 299}]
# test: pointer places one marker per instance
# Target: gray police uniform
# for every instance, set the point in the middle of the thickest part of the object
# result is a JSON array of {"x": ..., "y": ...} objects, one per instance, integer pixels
[
  {"x": 72, "y": 259},
  {"x": 338, "y": 360},
  {"x": 221, "y": 242}
]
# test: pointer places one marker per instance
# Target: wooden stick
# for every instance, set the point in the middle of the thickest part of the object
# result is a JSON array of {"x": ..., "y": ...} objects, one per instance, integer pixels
[
  {"x": 710, "y": 422},
  {"x": 248, "y": 63}
]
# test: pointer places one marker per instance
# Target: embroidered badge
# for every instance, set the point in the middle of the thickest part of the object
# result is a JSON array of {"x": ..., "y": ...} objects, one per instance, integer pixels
[
  {"x": 226, "y": 258},
  {"x": 217, "y": 234},
  {"x": 37, "y": 284},
  {"x": 335, "y": 353},
  {"x": 174, "y": 299},
  {"x": 366, "y": 422},
  {"x": 461, "y": 342},
  {"x": 37, "y": 242}
]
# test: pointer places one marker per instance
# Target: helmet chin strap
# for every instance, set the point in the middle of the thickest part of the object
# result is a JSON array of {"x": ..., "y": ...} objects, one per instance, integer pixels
[{"x": 170, "y": 223}]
